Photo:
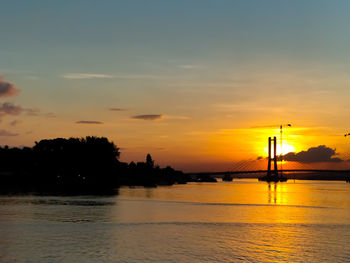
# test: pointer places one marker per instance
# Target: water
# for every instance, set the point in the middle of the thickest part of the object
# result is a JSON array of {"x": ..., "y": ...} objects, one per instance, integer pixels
[{"x": 244, "y": 220}]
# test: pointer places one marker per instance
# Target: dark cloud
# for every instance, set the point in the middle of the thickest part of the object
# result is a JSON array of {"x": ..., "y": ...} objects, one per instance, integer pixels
[
  {"x": 89, "y": 122},
  {"x": 150, "y": 117},
  {"x": 8, "y": 108},
  {"x": 317, "y": 154},
  {"x": 117, "y": 109},
  {"x": 7, "y": 89},
  {"x": 7, "y": 133}
]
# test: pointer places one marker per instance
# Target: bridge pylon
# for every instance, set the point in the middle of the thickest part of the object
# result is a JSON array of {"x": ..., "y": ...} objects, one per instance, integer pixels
[{"x": 272, "y": 174}]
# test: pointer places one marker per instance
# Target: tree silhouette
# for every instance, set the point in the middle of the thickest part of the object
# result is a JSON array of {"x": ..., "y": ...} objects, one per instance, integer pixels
[
  {"x": 77, "y": 166},
  {"x": 149, "y": 161}
]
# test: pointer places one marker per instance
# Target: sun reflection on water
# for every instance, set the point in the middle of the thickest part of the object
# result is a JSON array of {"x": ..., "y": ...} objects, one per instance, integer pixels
[{"x": 277, "y": 193}]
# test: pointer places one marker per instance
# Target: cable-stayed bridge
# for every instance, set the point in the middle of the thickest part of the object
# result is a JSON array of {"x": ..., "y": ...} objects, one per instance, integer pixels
[{"x": 257, "y": 168}]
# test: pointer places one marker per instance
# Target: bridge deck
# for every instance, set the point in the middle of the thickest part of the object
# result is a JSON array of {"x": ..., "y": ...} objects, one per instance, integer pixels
[{"x": 265, "y": 171}]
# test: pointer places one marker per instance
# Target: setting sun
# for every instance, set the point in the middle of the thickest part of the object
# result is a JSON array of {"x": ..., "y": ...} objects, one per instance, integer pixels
[{"x": 286, "y": 148}]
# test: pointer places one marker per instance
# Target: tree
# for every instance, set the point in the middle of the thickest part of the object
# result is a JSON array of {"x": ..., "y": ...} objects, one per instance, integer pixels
[
  {"x": 149, "y": 161},
  {"x": 77, "y": 162}
]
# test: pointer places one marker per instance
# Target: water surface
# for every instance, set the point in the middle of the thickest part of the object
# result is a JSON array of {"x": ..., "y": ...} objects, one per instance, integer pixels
[{"x": 243, "y": 220}]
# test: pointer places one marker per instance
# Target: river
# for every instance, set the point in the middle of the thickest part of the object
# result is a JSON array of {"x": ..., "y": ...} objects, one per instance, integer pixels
[{"x": 240, "y": 221}]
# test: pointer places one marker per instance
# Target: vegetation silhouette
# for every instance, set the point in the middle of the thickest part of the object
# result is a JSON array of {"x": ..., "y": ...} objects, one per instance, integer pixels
[{"x": 87, "y": 165}]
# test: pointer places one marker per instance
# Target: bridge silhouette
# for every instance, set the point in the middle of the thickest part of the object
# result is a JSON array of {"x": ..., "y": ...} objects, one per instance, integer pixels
[
  {"x": 265, "y": 172},
  {"x": 272, "y": 174}
]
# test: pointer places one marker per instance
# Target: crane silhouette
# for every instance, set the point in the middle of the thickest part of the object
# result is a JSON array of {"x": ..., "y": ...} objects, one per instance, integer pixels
[{"x": 281, "y": 155}]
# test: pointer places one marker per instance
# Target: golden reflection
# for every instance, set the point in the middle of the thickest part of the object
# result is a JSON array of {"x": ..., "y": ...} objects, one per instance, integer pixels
[
  {"x": 243, "y": 200},
  {"x": 276, "y": 193},
  {"x": 272, "y": 193}
]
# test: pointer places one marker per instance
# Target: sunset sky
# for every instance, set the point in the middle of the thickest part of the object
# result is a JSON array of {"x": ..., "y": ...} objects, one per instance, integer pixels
[{"x": 199, "y": 84}]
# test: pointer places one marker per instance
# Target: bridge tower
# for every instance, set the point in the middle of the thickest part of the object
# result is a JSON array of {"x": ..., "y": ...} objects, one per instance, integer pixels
[{"x": 274, "y": 172}]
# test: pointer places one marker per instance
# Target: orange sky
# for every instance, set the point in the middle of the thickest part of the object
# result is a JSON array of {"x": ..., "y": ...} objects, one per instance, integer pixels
[{"x": 198, "y": 86}]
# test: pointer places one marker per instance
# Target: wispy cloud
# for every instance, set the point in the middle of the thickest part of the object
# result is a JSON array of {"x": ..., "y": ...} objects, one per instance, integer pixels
[
  {"x": 153, "y": 117},
  {"x": 7, "y": 89},
  {"x": 136, "y": 76},
  {"x": 32, "y": 112},
  {"x": 38, "y": 112},
  {"x": 78, "y": 76},
  {"x": 148, "y": 117},
  {"x": 9, "y": 108},
  {"x": 117, "y": 109},
  {"x": 89, "y": 122},
  {"x": 86, "y": 76},
  {"x": 7, "y": 133}
]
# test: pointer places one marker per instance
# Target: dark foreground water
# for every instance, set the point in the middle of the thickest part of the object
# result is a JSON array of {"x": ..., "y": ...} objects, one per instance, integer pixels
[{"x": 244, "y": 220}]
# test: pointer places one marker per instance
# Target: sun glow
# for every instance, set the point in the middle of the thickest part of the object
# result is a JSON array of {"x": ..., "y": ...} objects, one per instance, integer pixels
[{"x": 286, "y": 148}]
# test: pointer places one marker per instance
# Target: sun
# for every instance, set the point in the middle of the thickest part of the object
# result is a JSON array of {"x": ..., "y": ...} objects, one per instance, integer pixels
[{"x": 286, "y": 148}]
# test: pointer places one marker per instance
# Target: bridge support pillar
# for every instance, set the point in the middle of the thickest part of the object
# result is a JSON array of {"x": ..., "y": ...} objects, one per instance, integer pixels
[{"x": 274, "y": 172}]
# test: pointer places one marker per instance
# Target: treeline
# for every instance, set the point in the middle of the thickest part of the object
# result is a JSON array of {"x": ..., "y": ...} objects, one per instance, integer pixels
[{"x": 77, "y": 166}]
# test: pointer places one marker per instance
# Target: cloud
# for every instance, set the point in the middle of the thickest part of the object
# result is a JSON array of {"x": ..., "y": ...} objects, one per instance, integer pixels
[
  {"x": 7, "y": 89},
  {"x": 148, "y": 117},
  {"x": 32, "y": 112},
  {"x": 8, "y": 108},
  {"x": 86, "y": 76},
  {"x": 107, "y": 76},
  {"x": 136, "y": 76},
  {"x": 89, "y": 122},
  {"x": 117, "y": 109},
  {"x": 38, "y": 112},
  {"x": 152, "y": 117},
  {"x": 7, "y": 133},
  {"x": 317, "y": 154}
]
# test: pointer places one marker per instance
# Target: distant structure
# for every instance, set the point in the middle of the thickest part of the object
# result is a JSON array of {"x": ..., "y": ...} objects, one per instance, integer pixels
[
  {"x": 272, "y": 175},
  {"x": 274, "y": 172},
  {"x": 281, "y": 156}
]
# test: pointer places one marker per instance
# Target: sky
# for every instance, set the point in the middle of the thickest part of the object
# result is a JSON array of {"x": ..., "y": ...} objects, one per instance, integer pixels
[{"x": 198, "y": 84}]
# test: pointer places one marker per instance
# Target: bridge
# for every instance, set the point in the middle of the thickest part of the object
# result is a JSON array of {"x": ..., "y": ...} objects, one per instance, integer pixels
[
  {"x": 302, "y": 174},
  {"x": 272, "y": 174},
  {"x": 265, "y": 172}
]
